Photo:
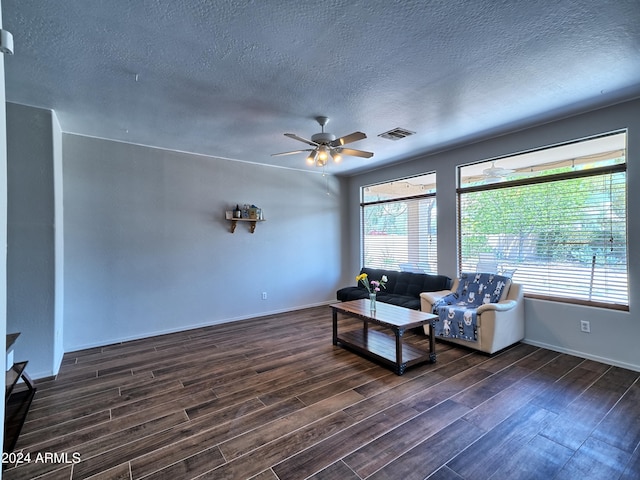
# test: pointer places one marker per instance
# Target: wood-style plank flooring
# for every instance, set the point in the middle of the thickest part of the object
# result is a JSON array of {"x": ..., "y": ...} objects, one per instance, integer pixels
[{"x": 272, "y": 398}]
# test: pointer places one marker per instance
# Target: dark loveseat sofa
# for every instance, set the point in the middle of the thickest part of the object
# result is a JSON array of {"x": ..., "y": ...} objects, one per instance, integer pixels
[{"x": 403, "y": 288}]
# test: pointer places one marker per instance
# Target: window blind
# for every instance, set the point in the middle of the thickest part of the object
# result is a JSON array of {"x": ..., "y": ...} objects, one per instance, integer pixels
[
  {"x": 562, "y": 236},
  {"x": 400, "y": 234}
]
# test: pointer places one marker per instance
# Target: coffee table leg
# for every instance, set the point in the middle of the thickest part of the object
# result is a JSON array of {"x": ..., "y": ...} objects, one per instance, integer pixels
[
  {"x": 400, "y": 367},
  {"x": 335, "y": 327},
  {"x": 432, "y": 342}
]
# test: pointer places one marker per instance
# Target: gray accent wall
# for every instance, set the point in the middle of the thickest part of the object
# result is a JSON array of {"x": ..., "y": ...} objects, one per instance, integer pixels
[
  {"x": 148, "y": 250},
  {"x": 34, "y": 263},
  {"x": 614, "y": 334}
]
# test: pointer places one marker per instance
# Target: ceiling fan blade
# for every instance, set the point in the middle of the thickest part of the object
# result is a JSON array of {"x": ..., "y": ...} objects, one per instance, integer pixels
[
  {"x": 352, "y": 137},
  {"x": 356, "y": 153},
  {"x": 300, "y": 139},
  {"x": 291, "y": 153}
]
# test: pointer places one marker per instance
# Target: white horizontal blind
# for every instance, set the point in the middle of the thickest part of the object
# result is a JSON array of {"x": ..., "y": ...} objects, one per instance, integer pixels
[
  {"x": 400, "y": 234},
  {"x": 564, "y": 235}
]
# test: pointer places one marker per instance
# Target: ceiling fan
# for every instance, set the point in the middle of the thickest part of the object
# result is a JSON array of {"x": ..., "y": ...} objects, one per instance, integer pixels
[
  {"x": 326, "y": 144},
  {"x": 495, "y": 174}
]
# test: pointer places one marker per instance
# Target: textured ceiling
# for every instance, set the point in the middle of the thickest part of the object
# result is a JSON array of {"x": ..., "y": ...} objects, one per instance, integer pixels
[{"x": 228, "y": 78}]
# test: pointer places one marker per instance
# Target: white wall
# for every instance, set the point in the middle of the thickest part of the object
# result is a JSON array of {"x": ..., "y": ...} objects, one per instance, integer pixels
[
  {"x": 3, "y": 229},
  {"x": 34, "y": 286},
  {"x": 147, "y": 249},
  {"x": 614, "y": 334},
  {"x": 58, "y": 232}
]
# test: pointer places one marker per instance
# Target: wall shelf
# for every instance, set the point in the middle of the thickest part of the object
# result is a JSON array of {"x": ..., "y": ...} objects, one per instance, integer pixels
[
  {"x": 252, "y": 223},
  {"x": 246, "y": 213}
]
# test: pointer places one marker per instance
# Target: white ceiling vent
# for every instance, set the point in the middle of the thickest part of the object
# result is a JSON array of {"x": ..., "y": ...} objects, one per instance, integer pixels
[{"x": 396, "y": 133}]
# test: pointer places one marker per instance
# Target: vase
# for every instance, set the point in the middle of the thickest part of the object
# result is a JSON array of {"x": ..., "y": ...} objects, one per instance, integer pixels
[{"x": 372, "y": 301}]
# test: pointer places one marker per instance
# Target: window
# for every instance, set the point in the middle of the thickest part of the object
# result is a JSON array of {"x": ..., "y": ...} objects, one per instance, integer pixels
[
  {"x": 399, "y": 225},
  {"x": 555, "y": 218}
]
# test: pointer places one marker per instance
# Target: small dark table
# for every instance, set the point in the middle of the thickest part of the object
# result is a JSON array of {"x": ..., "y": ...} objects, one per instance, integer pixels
[
  {"x": 379, "y": 346},
  {"x": 16, "y": 404}
]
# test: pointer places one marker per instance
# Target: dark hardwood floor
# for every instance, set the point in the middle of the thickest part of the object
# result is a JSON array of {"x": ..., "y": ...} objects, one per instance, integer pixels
[{"x": 272, "y": 398}]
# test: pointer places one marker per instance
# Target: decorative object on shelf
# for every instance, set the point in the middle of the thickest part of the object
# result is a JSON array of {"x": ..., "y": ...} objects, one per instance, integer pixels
[
  {"x": 246, "y": 213},
  {"x": 326, "y": 144}
]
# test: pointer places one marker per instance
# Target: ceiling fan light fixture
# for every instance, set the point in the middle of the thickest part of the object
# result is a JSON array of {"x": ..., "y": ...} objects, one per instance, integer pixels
[
  {"x": 335, "y": 154},
  {"x": 311, "y": 159},
  {"x": 322, "y": 153}
]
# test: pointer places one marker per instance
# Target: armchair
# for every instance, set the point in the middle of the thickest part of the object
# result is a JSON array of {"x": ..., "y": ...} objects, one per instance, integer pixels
[{"x": 498, "y": 325}]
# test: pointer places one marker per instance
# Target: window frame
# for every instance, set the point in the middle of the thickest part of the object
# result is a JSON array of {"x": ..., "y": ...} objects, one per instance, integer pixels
[
  {"x": 562, "y": 176},
  {"x": 432, "y": 249}
]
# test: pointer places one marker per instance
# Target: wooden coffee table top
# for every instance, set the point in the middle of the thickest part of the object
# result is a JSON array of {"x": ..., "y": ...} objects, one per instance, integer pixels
[{"x": 385, "y": 314}]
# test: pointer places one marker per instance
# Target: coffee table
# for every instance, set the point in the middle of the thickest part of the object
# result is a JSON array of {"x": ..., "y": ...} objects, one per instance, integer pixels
[{"x": 377, "y": 345}]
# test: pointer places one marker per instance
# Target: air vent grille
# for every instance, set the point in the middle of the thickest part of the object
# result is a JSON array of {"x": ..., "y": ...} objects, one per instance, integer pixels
[{"x": 396, "y": 133}]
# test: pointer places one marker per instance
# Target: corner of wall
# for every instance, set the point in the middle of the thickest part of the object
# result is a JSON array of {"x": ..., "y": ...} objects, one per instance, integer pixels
[
  {"x": 58, "y": 324},
  {"x": 3, "y": 224}
]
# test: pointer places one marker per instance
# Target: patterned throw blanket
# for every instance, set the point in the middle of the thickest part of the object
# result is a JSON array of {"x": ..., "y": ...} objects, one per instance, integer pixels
[{"x": 457, "y": 311}]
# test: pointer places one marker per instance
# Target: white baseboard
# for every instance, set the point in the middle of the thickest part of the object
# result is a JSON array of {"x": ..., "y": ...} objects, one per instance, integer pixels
[
  {"x": 585, "y": 355},
  {"x": 114, "y": 341}
]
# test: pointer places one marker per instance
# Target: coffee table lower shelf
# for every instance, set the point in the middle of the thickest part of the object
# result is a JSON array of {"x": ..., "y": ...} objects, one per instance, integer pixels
[{"x": 381, "y": 347}]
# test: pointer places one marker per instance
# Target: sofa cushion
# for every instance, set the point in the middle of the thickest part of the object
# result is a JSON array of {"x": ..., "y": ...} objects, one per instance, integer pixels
[
  {"x": 378, "y": 273},
  {"x": 405, "y": 301},
  {"x": 413, "y": 284}
]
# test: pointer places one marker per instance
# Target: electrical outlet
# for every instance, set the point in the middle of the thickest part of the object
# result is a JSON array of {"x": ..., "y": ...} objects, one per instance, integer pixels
[
  {"x": 585, "y": 326},
  {"x": 264, "y": 295}
]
